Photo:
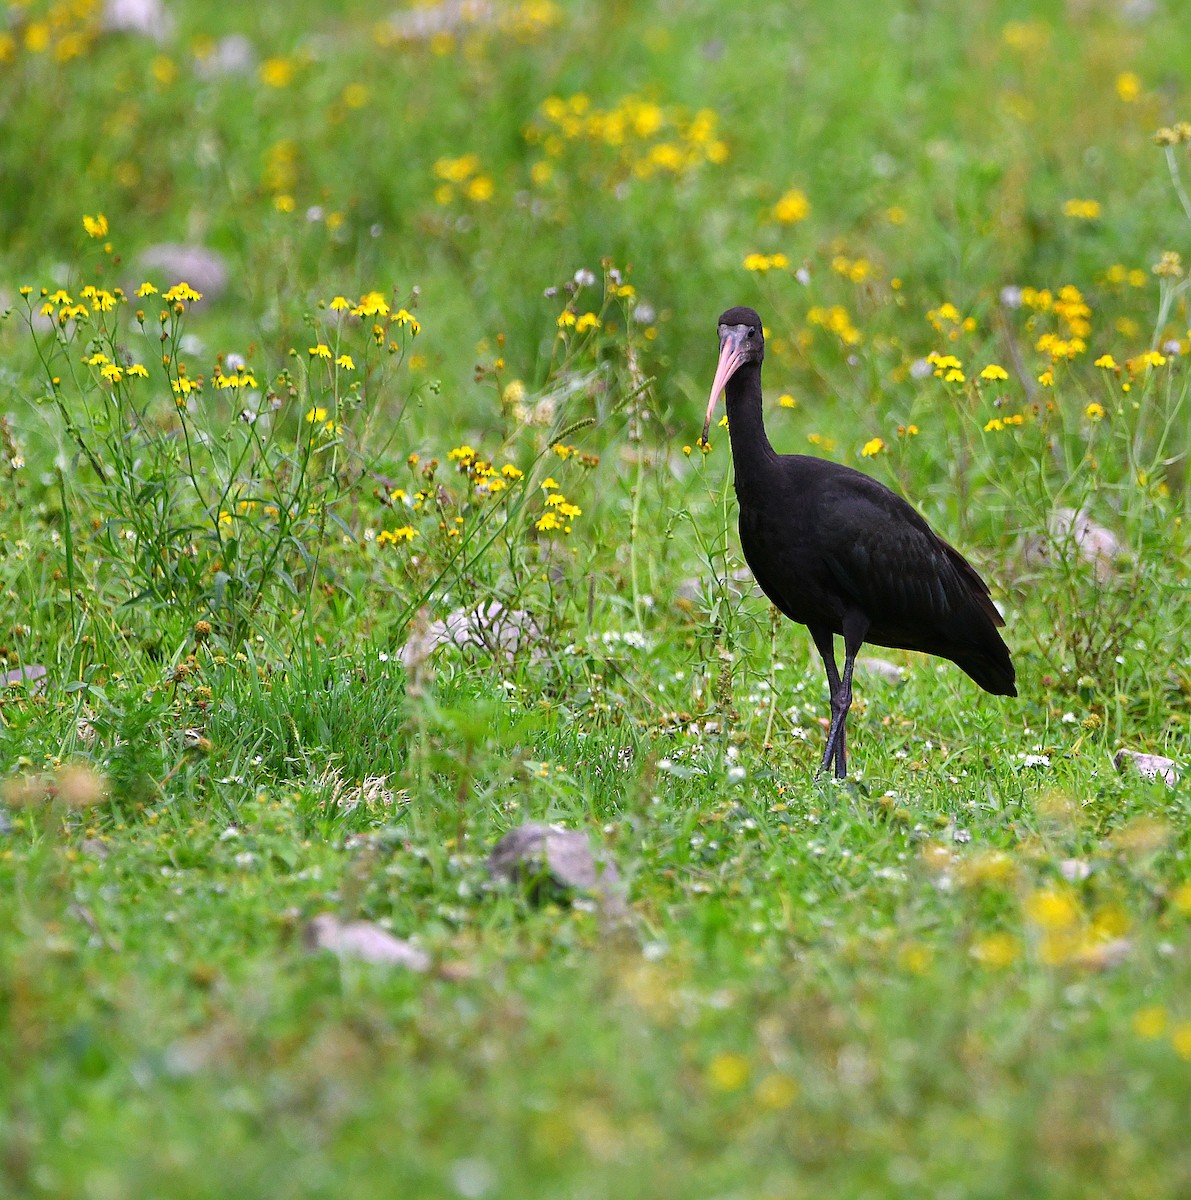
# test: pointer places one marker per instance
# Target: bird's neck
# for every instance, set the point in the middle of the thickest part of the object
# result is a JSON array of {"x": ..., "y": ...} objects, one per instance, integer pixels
[{"x": 752, "y": 455}]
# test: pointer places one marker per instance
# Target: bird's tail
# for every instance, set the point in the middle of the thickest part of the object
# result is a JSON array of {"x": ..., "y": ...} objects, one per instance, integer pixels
[{"x": 991, "y": 667}]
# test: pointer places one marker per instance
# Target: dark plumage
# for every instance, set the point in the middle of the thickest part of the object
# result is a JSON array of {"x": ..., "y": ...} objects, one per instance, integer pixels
[{"x": 841, "y": 553}]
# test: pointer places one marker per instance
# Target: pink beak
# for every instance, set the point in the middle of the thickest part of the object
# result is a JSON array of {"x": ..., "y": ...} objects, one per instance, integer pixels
[{"x": 731, "y": 359}]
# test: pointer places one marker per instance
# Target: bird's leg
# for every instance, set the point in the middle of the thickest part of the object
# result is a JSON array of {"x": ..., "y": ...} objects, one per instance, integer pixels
[
  {"x": 855, "y": 627},
  {"x": 825, "y": 644}
]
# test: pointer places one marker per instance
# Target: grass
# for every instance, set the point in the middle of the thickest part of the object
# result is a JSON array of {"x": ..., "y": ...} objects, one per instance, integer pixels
[{"x": 962, "y": 973}]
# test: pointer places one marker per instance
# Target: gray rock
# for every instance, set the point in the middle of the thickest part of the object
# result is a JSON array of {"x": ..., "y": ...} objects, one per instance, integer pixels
[
  {"x": 503, "y": 632},
  {"x": 551, "y": 863},
  {"x": 881, "y": 668},
  {"x": 1153, "y": 766},
  {"x": 146, "y": 17},
  {"x": 32, "y": 676},
  {"x": 364, "y": 941},
  {"x": 175, "y": 262}
]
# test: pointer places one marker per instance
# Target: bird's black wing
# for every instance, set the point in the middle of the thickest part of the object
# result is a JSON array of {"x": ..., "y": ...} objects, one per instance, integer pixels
[{"x": 917, "y": 591}]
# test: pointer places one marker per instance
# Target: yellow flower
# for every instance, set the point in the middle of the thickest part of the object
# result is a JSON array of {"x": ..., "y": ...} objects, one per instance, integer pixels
[
  {"x": 776, "y": 1092},
  {"x": 548, "y": 483},
  {"x": 277, "y": 72},
  {"x": 996, "y": 951},
  {"x": 588, "y": 321},
  {"x": 345, "y": 361},
  {"x": 954, "y": 376},
  {"x": 112, "y": 373},
  {"x": 1047, "y": 378},
  {"x": 566, "y": 319},
  {"x": 1052, "y": 909},
  {"x": 1180, "y": 1039},
  {"x": 146, "y": 289},
  {"x": 792, "y": 207},
  {"x": 728, "y": 1072},
  {"x": 340, "y": 304},
  {"x": 315, "y": 414},
  {"x": 462, "y": 454},
  {"x": 390, "y": 537},
  {"x": 1107, "y": 362},
  {"x": 138, "y": 370},
  {"x": 480, "y": 189},
  {"x": 322, "y": 350},
  {"x": 1128, "y": 86},
  {"x": 404, "y": 317},
  {"x": 1150, "y": 1022},
  {"x": 96, "y": 226},
  {"x": 1082, "y": 210},
  {"x": 182, "y": 292},
  {"x": 547, "y": 522},
  {"x": 992, "y": 371},
  {"x": 872, "y": 447},
  {"x": 372, "y": 304},
  {"x": 787, "y": 401},
  {"x": 1094, "y": 411},
  {"x": 765, "y": 262},
  {"x": 225, "y": 518},
  {"x": 511, "y": 472}
]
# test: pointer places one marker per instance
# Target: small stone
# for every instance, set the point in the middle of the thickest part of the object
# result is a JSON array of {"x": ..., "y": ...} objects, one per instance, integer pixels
[
  {"x": 551, "y": 863},
  {"x": 1153, "y": 766},
  {"x": 33, "y": 676},
  {"x": 881, "y": 668},
  {"x": 502, "y": 632},
  {"x": 175, "y": 262},
  {"x": 365, "y": 941}
]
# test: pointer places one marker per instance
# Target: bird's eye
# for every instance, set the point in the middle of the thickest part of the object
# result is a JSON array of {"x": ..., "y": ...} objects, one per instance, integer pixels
[{"x": 751, "y": 331}]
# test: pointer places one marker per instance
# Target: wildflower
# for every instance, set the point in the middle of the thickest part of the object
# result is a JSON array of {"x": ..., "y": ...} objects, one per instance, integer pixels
[
  {"x": 993, "y": 371},
  {"x": 340, "y": 304},
  {"x": 1047, "y": 378},
  {"x": 787, "y": 401},
  {"x": 404, "y": 317},
  {"x": 464, "y": 455},
  {"x": 182, "y": 293},
  {"x": 792, "y": 207},
  {"x": 548, "y": 483},
  {"x": 872, "y": 448},
  {"x": 1169, "y": 266},
  {"x": 954, "y": 376},
  {"x": 728, "y": 1072},
  {"x": 1151, "y": 358},
  {"x": 138, "y": 370},
  {"x": 225, "y": 518},
  {"x": 480, "y": 189},
  {"x": 776, "y": 1091},
  {"x": 996, "y": 951},
  {"x": 994, "y": 426},
  {"x": 1082, "y": 210},
  {"x": 316, "y": 415},
  {"x": 391, "y": 537},
  {"x": 1052, "y": 909},
  {"x": 322, "y": 350},
  {"x": 1107, "y": 362},
  {"x": 566, "y": 319},
  {"x": 765, "y": 262},
  {"x": 1094, "y": 411},
  {"x": 96, "y": 226},
  {"x": 1150, "y": 1022},
  {"x": 511, "y": 472},
  {"x": 907, "y": 431},
  {"x": 345, "y": 361},
  {"x": 547, "y": 522},
  {"x": 112, "y": 373},
  {"x": 588, "y": 321},
  {"x": 1128, "y": 86},
  {"x": 277, "y": 72},
  {"x": 372, "y": 304}
]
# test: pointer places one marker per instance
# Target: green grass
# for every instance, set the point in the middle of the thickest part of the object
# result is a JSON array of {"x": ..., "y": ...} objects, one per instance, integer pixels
[{"x": 962, "y": 973}]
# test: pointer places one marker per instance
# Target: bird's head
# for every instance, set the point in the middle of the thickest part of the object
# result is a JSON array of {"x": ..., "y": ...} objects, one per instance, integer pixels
[{"x": 741, "y": 341}]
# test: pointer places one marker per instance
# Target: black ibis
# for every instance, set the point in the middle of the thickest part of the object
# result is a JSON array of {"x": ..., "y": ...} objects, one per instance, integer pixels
[{"x": 840, "y": 553}]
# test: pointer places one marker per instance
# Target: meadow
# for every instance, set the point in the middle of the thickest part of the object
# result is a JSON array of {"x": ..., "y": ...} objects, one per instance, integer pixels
[{"x": 327, "y": 324}]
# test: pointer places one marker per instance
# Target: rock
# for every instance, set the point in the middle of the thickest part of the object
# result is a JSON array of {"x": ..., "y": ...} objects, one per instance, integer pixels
[
  {"x": 699, "y": 587},
  {"x": 1071, "y": 533},
  {"x": 1153, "y": 766},
  {"x": 881, "y": 668},
  {"x": 363, "y": 940},
  {"x": 503, "y": 632},
  {"x": 176, "y": 262},
  {"x": 146, "y": 17},
  {"x": 551, "y": 863},
  {"x": 234, "y": 54},
  {"x": 32, "y": 676}
]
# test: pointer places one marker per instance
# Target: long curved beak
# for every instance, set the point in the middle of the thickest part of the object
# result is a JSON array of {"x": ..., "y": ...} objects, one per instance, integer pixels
[{"x": 731, "y": 360}]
